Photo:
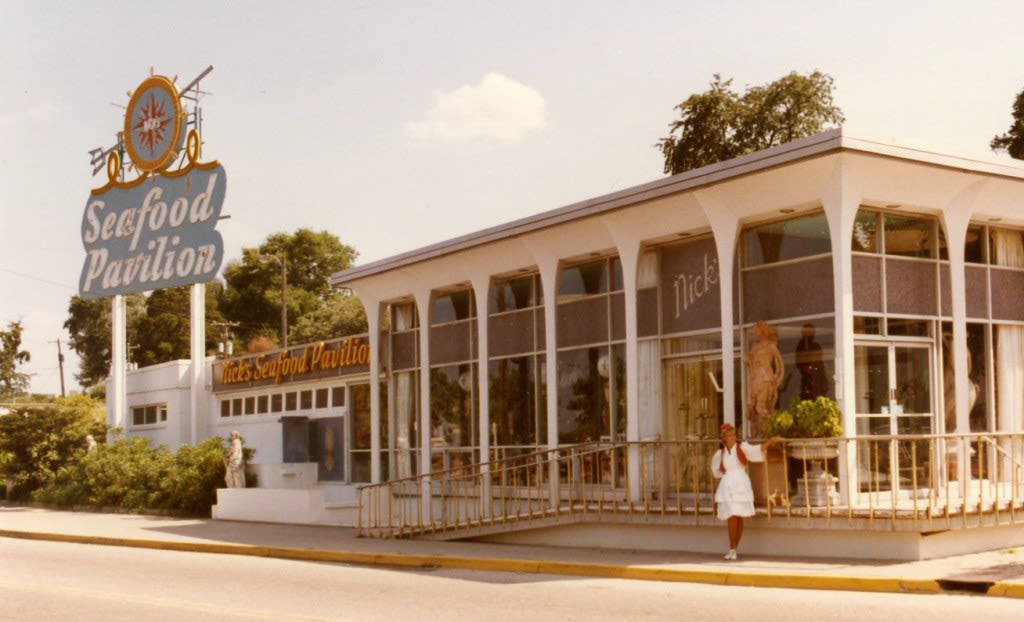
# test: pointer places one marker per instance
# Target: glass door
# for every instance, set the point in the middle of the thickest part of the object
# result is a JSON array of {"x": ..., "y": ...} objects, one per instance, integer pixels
[
  {"x": 893, "y": 383},
  {"x": 359, "y": 443},
  {"x": 693, "y": 412}
]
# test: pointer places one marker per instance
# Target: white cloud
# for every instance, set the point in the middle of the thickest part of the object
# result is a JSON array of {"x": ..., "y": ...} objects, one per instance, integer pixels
[{"x": 498, "y": 108}]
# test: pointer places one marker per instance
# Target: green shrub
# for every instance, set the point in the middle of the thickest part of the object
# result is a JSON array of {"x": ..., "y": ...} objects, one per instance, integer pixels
[
  {"x": 197, "y": 473},
  {"x": 131, "y": 474},
  {"x": 127, "y": 474},
  {"x": 37, "y": 441}
]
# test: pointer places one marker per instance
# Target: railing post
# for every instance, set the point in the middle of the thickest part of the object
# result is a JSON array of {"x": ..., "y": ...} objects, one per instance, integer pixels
[
  {"x": 963, "y": 467},
  {"x": 486, "y": 505},
  {"x": 553, "y": 479},
  {"x": 426, "y": 505},
  {"x": 575, "y": 477},
  {"x": 634, "y": 460}
]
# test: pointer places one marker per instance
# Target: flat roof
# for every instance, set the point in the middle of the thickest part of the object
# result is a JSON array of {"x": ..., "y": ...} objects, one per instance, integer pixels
[{"x": 788, "y": 153}]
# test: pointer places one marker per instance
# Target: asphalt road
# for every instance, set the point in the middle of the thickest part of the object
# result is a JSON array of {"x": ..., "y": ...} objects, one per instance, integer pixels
[{"x": 85, "y": 583}]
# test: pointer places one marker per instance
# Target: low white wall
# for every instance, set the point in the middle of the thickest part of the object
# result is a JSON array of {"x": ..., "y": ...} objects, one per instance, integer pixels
[
  {"x": 961, "y": 541},
  {"x": 756, "y": 540},
  {"x": 289, "y": 476},
  {"x": 336, "y": 493},
  {"x": 269, "y": 505},
  {"x": 307, "y": 506}
]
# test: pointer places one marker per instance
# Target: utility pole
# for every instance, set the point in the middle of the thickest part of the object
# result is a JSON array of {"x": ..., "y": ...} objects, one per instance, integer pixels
[
  {"x": 60, "y": 364},
  {"x": 283, "y": 262},
  {"x": 284, "y": 301}
]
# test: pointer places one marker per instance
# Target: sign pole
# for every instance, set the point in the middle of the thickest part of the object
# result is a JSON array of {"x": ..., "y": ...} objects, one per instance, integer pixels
[
  {"x": 198, "y": 333},
  {"x": 118, "y": 362}
]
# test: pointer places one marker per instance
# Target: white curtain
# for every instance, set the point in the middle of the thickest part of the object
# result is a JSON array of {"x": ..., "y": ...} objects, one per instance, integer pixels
[
  {"x": 404, "y": 316},
  {"x": 648, "y": 381},
  {"x": 647, "y": 271},
  {"x": 405, "y": 399},
  {"x": 1008, "y": 247},
  {"x": 404, "y": 414},
  {"x": 648, "y": 359}
]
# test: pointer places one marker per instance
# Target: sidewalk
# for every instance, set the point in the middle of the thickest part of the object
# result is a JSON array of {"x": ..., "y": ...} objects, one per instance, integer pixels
[{"x": 995, "y": 573}]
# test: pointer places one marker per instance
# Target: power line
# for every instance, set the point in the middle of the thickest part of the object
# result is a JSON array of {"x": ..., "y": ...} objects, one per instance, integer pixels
[{"x": 36, "y": 278}]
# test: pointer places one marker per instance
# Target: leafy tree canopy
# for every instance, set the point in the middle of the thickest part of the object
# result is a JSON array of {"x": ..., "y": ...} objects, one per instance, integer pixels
[
  {"x": 88, "y": 324},
  {"x": 253, "y": 293},
  {"x": 1012, "y": 141},
  {"x": 720, "y": 124},
  {"x": 157, "y": 326},
  {"x": 163, "y": 332},
  {"x": 12, "y": 382},
  {"x": 340, "y": 315}
]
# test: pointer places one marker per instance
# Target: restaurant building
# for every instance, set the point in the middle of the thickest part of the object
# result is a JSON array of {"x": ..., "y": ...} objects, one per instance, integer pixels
[{"x": 620, "y": 326}]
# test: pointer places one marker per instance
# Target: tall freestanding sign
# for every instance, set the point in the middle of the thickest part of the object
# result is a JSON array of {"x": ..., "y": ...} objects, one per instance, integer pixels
[{"x": 159, "y": 229}]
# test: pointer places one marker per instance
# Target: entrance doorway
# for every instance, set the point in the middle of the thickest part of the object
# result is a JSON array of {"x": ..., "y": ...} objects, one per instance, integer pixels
[
  {"x": 692, "y": 413},
  {"x": 894, "y": 387}
]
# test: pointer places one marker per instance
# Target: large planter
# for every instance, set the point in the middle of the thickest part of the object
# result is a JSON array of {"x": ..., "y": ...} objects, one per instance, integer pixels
[
  {"x": 814, "y": 449},
  {"x": 816, "y": 488}
]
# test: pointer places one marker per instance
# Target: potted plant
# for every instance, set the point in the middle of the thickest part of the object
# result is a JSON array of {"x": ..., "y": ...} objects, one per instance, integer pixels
[
  {"x": 806, "y": 419},
  {"x": 812, "y": 424}
]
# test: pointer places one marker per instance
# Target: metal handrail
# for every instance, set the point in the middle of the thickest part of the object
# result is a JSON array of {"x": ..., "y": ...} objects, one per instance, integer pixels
[{"x": 883, "y": 479}]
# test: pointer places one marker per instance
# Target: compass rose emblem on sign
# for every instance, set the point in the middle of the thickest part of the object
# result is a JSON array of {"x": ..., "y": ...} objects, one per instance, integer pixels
[{"x": 154, "y": 125}]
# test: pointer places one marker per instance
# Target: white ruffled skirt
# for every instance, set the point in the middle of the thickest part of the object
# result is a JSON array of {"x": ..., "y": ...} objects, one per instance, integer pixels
[{"x": 735, "y": 496}]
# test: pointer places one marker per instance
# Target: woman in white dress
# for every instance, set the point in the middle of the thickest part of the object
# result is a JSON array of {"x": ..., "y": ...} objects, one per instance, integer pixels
[{"x": 735, "y": 496}]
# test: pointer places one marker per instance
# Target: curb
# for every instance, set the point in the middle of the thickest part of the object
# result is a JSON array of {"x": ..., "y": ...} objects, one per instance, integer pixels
[
  {"x": 606, "y": 571},
  {"x": 1008, "y": 590}
]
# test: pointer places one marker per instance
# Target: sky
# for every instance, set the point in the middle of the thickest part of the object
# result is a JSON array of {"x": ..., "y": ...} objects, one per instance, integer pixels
[{"x": 395, "y": 125}]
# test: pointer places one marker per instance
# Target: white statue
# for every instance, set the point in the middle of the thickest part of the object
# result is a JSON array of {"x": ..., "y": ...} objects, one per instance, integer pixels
[
  {"x": 90, "y": 443},
  {"x": 234, "y": 463},
  {"x": 764, "y": 373}
]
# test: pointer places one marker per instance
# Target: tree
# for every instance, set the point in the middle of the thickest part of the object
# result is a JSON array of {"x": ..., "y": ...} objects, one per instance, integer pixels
[
  {"x": 163, "y": 333},
  {"x": 340, "y": 315},
  {"x": 88, "y": 324},
  {"x": 1013, "y": 140},
  {"x": 252, "y": 296},
  {"x": 158, "y": 329},
  {"x": 720, "y": 124},
  {"x": 12, "y": 382}
]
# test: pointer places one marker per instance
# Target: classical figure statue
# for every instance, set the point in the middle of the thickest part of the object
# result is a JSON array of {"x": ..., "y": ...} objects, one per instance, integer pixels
[
  {"x": 764, "y": 372},
  {"x": 234, "y": 463},
  {"x": 90, "y": 443}
]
